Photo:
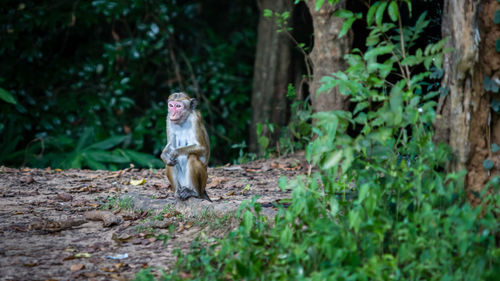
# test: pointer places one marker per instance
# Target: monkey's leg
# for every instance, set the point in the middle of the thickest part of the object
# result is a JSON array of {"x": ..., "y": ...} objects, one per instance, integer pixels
[
  {"x": 172, "y": 175},
  {"x": 198, "y": 176},
  {"x": 183, "y": 179}
]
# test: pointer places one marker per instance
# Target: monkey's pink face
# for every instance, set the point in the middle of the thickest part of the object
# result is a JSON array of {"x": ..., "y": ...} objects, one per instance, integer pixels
[{"x": 176, "y": 111}]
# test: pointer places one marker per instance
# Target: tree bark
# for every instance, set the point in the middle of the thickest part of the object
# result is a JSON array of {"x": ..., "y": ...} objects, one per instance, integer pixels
[
  {"x": 465, "y": 120},
  {"x": 272, "y": 73},
  {"x": 328, "y": 55}
]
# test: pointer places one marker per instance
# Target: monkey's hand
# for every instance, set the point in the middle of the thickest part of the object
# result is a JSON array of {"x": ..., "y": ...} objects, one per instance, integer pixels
[{"x": 171, "y": 158}]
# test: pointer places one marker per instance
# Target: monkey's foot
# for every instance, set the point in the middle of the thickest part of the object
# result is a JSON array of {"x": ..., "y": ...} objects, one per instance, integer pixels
[{"x": 185, "y": 193}]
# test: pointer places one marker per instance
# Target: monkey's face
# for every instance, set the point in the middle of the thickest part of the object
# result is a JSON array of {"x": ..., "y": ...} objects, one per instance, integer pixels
[{"x": 177, "y": 111}]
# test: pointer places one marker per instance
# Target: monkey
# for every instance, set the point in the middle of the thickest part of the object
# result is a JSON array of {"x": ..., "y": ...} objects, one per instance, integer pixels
[{"x": 187, "y": 151}]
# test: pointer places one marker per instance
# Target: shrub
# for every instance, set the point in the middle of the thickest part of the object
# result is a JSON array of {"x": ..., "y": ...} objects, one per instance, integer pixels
[{"x": 381, "y": 206}]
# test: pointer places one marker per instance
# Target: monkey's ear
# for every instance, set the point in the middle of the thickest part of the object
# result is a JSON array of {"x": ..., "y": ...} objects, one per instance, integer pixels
[{"x": 193, "y": 103}]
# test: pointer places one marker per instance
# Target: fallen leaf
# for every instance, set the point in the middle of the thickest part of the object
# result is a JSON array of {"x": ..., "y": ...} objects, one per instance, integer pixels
[
  {"x": 171, "y": 214},
  {"x": 108, "y": 269},
  {"x": 181, "y": 227},
  {"x": 64, "y": 196},
  {"x": 188, "y": 225},
  {"x": 29, "y": 179},
  {"x": 185, "y": 275},
  {"x": 138, "y": 182},
  {"x": 252, "y": 170},
  {"x": 265, "y": 168},
  {"x": 90, "y": 274},
  {"x": 230, "y": 193},
  {"x": 77, "y": 267},
  {"x": 31, "y": 264},
  {"x": 118, "y": 265},
  {"x": 72, "y": 257},
  {"x": 117, "y": 276},
  {"x": 122, "y": 237},
  {"x": 217, "y": 182},
  {"x": 58, "y": 170},
  {"x": 82, "y": 255}
]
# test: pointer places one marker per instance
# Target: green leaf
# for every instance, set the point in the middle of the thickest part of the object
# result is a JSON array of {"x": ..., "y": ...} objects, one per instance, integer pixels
[
  {"x": 247, "y": 221},
  {"x": 7, "y": 96},
  {"x": 76, "y": 162},
  {"x": 107, "y": 143},
  {"x": 494, "y": 148},
  {"x": 104, "y": 156},
  {"x": 371, "y": 13},
  {"x": 85, "y": 138},
  {"x": 354, "y": 220},
  {"x": 346, "y": 26},
  {"x": 496, "y": 18},
  {"x": 409, "y": 6},
  {"x": 343, "y": 14},
  {"x": 487, "y": 83},
  {"x": 378, "y": 51},
  {"x": 283, "y": 183},
  {"x": 332, "y": 160},
  {"x": 488, "y": 164},
  {"x": 396, "y": 103},
  {"x": 495, "y": 105},
  {"x": 143, "y": 159},
  {"x": 94, "y": 165},
  {"x": 363, "y": 192},
  {"x": 379, "y": 15},
  {"x": 286, "y": 236},
  {"x": 393, "y": 11},
  {"x": 260, "y": 127},
  {"x": 268, "y": 13},
  {"x": 319, "y": 3},
  {"x": 263, "y": 142}
]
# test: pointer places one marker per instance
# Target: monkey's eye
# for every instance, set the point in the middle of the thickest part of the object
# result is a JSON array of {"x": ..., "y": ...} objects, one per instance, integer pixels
[
  {"x": 178, "y": 105},
  {"x": 170, "y": 105}
]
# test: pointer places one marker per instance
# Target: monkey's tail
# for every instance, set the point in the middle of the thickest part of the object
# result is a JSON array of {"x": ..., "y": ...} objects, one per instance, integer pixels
[{"x": 205, "y": 196}]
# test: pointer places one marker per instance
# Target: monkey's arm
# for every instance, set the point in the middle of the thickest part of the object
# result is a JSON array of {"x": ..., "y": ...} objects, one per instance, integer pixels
[
  {"x": 169, "y": 155},
  {"x": 191, "y": 149}
]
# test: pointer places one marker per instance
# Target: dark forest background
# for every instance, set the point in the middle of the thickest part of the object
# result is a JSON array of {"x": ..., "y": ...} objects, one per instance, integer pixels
[{"x": 88, "y": 80}]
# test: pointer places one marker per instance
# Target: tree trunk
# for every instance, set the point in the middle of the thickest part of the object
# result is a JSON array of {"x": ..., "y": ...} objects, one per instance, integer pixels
[
  {"x": 465, "y": 120},
  {"x": 272, "y": 72},
  {"x": 328, "y": 55}
]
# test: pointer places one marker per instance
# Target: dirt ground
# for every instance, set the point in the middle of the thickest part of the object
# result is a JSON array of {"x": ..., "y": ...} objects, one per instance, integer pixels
[{"x": 102, "y": 225}]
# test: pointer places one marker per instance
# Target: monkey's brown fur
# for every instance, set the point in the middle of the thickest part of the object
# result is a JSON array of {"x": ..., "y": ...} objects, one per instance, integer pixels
[{"x": 187, "y": 137}]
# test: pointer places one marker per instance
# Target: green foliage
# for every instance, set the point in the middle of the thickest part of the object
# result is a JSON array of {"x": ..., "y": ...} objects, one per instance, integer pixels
[
  {"x": 118, "y": 202},
  {"x": 264, "y": 132},
  {"x": 495, "y": 147},
  {"x": 108, "y": 67},
  {"x": 243, "y": 156},
  {"x": 7, "y": 97},
  {"x": 144, "y": 275},
  {"x": 298, "y": 133},
  {"x": 379, "y": 207},
  {"x": 492, "y": 85}
]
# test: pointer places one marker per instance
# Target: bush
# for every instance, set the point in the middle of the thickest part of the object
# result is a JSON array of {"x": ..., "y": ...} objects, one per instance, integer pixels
[{"x": 381, "y": 206}]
